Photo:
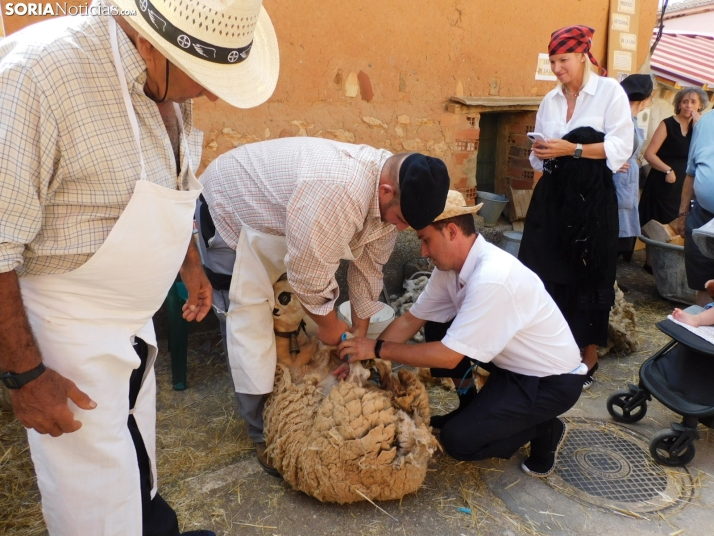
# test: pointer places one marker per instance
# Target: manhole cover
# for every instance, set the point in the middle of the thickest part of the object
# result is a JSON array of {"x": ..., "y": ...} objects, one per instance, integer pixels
[{"x": 610, "y": 466}]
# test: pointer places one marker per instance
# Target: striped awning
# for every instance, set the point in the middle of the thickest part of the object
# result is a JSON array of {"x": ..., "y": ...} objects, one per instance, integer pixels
[{"x": 685, "y": 59}]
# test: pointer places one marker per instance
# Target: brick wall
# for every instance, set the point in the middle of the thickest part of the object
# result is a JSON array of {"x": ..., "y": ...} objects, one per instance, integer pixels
[
  {"x": 519, "y": 173},
  {"x": 462, "y": 136},
  {"x": 461, "y": 133}
]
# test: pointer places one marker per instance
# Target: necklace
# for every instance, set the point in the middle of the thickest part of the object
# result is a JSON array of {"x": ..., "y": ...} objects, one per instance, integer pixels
[{"x": 575, "y": 94}]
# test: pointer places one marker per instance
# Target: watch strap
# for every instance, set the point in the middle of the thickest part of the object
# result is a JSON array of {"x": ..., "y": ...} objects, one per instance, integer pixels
[
  {"x": 378, "y": 348},
  {"x": 15, "y": 381}
]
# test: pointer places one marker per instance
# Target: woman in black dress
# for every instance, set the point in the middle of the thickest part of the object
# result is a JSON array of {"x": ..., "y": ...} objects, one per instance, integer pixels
[{"x": 667, "y": 154}]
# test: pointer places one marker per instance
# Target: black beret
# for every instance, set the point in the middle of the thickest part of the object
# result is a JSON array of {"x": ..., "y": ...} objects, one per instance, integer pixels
[
  {"x": 637, "y": 86},
  {"x": 424, "y": 184}
]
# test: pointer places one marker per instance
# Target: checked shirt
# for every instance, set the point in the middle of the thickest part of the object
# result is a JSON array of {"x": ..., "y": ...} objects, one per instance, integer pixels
[
  {"x": 68, "y": 156},
  {"x": 322, "y": 196}
]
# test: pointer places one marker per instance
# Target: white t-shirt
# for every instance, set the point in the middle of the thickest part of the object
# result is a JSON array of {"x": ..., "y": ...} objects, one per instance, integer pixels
[
  {"x": 602, "y": 105},
  {"x": 502, "y": 314}
]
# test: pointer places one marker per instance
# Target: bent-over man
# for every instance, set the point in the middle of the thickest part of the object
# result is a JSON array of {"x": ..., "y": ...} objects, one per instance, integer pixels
[
  {"x": 483, "y": 303},
  {"x": 300, "y": 205},
  {"x": 97, "y": 196}
]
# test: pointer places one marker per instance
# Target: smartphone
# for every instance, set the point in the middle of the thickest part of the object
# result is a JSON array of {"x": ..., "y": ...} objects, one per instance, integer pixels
[{"x": 536, "y": 136}]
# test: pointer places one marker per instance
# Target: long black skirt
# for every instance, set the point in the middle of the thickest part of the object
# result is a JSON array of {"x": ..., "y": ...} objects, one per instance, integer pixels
[{"x": 584, "y": 302}]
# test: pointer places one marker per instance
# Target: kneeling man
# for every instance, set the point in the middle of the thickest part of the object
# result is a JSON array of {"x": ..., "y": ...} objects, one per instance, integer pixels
[{"x": 501, "y": 316}]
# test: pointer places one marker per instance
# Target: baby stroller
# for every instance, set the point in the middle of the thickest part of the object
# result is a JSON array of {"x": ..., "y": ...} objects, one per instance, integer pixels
[{"x": 680, "y": 375}]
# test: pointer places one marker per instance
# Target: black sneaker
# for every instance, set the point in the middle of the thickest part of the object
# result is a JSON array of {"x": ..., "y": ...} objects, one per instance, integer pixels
[
  {"x": 544, "y": 449},
  {"x": 589, "y": 378},
  {"x": 439, "y": 421}
]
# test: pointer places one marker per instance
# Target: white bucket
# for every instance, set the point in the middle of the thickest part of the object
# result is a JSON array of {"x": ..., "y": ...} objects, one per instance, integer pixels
[{"x": 377, "y": 323}]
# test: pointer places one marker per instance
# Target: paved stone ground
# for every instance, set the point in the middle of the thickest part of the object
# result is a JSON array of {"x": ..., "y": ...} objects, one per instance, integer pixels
[
  {"x": 209, "y": 473},
  {"x": 501, "y": 498}
]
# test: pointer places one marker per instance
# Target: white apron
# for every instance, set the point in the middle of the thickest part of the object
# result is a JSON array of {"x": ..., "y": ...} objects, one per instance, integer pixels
[
  {"x": 260, "y": 261},
  {"x": 84, "y": 322}
]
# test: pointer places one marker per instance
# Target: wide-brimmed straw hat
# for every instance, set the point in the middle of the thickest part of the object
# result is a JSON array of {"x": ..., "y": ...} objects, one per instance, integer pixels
[
  {"x": 456, "y": 206},
  {"x": 227, "y": 46}
]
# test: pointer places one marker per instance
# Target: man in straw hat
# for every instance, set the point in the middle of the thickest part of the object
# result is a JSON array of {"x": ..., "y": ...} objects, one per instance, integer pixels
[
  {"x": 300, "y": 205},
  {"x": 483, "y": 303},
  {"x": 97, "y": 152}
]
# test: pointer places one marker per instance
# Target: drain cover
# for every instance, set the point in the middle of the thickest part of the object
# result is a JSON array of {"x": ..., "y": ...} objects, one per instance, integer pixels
[{"x": 610, "y": 466}]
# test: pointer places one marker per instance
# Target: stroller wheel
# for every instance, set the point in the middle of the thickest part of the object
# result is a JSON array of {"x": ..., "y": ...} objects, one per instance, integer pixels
[
  {"x": 666, "y": 448},
  {"x": 618, "y": 407}
]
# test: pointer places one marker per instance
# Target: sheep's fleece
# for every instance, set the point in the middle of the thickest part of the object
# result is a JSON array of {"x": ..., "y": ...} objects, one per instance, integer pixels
[{"x": 350, "y": 440}]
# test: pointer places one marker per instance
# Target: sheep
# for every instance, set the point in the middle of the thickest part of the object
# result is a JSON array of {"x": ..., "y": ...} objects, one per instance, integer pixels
[{"x": 342, "y": 441}]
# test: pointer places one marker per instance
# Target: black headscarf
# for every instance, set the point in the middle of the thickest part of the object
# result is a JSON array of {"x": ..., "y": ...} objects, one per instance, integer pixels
[{"x": 584, "y": 187}]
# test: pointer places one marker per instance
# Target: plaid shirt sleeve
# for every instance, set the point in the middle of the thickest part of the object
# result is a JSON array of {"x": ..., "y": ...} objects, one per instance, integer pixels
[
  {"x": 364, "y": 275},
  {"x": 322, "y": 218},
  {"x": 28, "y": 150}
]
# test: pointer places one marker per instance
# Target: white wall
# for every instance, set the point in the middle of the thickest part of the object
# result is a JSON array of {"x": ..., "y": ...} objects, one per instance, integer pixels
[{"x": 702, "y": 23}]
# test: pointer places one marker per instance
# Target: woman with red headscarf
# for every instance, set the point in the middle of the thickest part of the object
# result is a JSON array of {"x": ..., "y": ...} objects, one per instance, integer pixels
[{"x": 570, "y": 237}]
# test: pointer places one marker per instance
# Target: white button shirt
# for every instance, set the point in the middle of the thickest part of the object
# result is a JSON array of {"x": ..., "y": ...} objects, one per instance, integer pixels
[
  {"x": 503, "y": 314},
  {"x": 602, "y": 105}
]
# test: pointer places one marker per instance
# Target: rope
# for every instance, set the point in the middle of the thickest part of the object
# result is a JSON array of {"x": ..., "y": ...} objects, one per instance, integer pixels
[{"x": 463, "y": 390}]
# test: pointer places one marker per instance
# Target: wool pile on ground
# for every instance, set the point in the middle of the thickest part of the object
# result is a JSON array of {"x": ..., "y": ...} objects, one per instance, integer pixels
[
  {"x": 424, "y": 374},
  {"x": 412, "y": 290},
  {"x": 622, "y": 337},
  {"x": 352, "y": 441}
]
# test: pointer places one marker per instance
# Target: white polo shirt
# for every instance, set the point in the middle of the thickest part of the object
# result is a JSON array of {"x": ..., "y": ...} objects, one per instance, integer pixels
[{"x": 502, "y": 313}]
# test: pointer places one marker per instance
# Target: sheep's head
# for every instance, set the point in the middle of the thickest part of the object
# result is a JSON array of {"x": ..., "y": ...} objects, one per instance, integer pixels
[{"x": 288, "y": 311}]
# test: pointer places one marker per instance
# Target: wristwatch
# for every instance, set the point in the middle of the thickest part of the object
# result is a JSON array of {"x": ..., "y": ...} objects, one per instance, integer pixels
[
  {"x": 378, "y": 348},
  {"x": 668, "y": 171},
  {"x": 578, "y": 151},
  {"x": 15, "y": 381}
]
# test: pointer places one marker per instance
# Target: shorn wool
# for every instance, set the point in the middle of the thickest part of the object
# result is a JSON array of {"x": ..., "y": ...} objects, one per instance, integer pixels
[{"x": 342, "y": 441}]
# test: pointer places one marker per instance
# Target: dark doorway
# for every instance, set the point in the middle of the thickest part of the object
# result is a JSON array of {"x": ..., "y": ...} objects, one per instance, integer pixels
[{"x": 487, "y": 152}]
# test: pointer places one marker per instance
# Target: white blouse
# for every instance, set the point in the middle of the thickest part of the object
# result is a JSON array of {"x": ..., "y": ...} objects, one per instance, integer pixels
[{"x": 602, "y": 105}]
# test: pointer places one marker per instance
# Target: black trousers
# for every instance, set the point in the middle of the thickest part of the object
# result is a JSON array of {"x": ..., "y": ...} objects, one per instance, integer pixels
[
  {"x": 699, "y": 268},
  {"x": 159, "y": 519},
  {"x": 506, "y": 413}
]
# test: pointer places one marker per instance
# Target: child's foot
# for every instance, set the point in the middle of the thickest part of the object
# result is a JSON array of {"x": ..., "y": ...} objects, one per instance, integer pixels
[{"x": 685, "y": 318}]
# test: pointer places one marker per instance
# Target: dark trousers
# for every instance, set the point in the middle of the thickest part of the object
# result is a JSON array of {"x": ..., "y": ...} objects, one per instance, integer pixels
[
  {"x": 699, "y": 268},
  {"x": 506, "y": 413},
  {"x": 159, "y": 519}
]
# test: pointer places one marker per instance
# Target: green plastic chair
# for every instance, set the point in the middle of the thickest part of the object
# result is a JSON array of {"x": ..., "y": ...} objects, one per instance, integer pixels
[{"x": 178, "y": 335}]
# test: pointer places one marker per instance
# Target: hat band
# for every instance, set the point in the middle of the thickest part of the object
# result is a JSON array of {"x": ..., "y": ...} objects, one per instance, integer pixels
[{"x": 188, "y": 43}]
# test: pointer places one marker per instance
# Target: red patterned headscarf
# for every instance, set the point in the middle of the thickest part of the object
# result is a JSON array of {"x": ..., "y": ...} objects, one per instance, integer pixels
[{"x": 573, "y": 39}]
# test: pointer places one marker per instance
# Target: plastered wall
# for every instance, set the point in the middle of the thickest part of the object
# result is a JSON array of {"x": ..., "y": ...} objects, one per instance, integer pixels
[
  {"x": 415, "y": 55},
  {"x": 412, "y": 55}
]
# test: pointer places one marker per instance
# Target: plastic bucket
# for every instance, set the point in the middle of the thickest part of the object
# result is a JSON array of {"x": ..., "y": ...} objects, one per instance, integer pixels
[
  {"x": 493, "y": 205},
  {"x": 668, "y": 270},
  {"x": 377, "y": 323},
  {"x": 511, "y": 242}
]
